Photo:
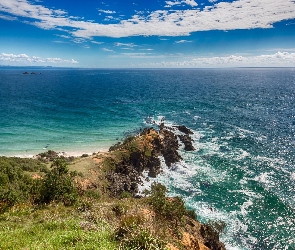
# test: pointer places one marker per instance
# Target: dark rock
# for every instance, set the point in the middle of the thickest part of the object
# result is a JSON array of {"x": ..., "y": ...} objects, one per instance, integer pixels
[
  {"x": 169, "y": 147},
  {"x": 154, "y": 166},
  {"x": 187, "y": 141},
  {"x": 124, "y": 178},
  {"x": 204, "y": 233},
  {"x": 184, "y": 129},
  {"x": 211, "y": 238}
]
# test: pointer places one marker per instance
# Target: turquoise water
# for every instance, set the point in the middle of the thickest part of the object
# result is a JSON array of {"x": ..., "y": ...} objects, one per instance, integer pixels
[{"x": 242, "y": 171}]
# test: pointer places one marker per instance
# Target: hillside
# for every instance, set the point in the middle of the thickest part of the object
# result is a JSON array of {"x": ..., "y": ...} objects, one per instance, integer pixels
[{"x": 92, "y": 202}]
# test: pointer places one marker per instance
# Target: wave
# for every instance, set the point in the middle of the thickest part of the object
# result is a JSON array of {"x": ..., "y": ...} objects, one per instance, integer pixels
[{"x": 223, "y": 181}]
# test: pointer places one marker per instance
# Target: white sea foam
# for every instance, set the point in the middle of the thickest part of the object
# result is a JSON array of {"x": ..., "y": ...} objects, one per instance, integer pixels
[
  {"x": 243, "y": 154},
  {"x": 264, "y": 178},
  {"x": 186, "y": 177},
  {"x": 245, "y": 206}
]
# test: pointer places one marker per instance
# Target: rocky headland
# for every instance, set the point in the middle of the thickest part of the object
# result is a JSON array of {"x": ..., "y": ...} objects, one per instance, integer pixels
[
  {"x": 103, "y": 188},
  {"x": 128, "y": 161}
]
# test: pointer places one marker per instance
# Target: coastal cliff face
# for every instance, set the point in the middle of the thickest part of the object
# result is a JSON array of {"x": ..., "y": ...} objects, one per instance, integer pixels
[{"x": 140, "y": 154}]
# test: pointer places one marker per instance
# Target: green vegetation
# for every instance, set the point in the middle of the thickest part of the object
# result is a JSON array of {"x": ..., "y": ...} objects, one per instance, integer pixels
[
  {"x": 58, "y": 185},
  {"x": 15, "y": 182},
  {"x": 216, "y": 227},
  {"x": 133, "y": 234},
  {"x": 172, "y": 209},
  {"x": 54, "y": 207},
  {"x": 54, "y": 227}
]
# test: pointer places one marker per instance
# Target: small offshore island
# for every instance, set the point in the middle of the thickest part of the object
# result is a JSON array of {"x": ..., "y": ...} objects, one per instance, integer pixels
[{"x": 93, "y": 202}]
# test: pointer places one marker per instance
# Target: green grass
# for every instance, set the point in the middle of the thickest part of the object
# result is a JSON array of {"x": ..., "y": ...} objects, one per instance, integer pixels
[{"x": 56, "y": 227}]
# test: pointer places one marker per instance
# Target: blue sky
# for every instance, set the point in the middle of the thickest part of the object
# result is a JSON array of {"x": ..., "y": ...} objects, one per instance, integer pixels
[{"x": 148, "y": 34}]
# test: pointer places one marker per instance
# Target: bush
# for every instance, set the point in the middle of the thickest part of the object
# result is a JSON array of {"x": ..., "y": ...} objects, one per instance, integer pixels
[
  {"x": 133, "y": 234},
  {"x": 217, "y": 227},
  {"x": 15, "y": 185},
  {"x": 170, "y": 208},
  {"x": 120, "y": 209},
  {"x": 125, "y": 194},
  {"x": 58, "y": 185},
  {"x": 142, "y": 240}
]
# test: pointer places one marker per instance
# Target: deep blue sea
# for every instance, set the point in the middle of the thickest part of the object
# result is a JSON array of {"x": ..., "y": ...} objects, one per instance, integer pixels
[{"x": 243, "y": 169}]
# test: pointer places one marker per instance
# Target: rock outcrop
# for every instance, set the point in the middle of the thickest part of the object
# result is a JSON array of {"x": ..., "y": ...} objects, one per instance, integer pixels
[
  {"x": 169, "y": 147},
  {"x": 204, "y": 234},
  {"x": 187, "y": 141},
  {"x": 141, "y": 153}
]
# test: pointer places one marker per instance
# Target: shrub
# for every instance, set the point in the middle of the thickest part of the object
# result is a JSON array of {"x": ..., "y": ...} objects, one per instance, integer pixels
[
  {"x": 169, "y": 208},
  {"x": 133, "y": 234},
  {"x": 191, "y": 213},
  {"x": 58, "y": 185},
  {"x": 120, "y": 209},
  {"x": 15, "y": 185},
  {"x": 93, "y": 193},
  {"x": 142, "y": 240},
  {"x": 125, "y": 194},
  {"x": 217, "y": 227}
]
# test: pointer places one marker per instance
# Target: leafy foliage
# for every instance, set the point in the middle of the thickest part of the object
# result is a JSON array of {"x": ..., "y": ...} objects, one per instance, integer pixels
[
  {"x": 170, "y": 208},
  {"x": 15, "y": 184},
  {"x": 217, "y": 227},
  {"x": 58, "y": 185},
  {"x": 132, "y": 234}
]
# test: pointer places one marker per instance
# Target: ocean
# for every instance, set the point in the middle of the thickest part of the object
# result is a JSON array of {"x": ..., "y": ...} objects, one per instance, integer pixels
[{"x": 243, "y": 119}]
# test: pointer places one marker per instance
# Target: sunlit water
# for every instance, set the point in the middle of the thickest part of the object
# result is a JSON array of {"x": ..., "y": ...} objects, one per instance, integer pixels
[{"x": 242, "y": 171}]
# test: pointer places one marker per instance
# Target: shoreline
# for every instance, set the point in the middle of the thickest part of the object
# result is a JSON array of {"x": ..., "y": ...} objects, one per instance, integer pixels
[{"x": 66, "y": 153}]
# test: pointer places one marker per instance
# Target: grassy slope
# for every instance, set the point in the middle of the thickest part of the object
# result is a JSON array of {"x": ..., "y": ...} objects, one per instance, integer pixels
[
  {"x": 55, "y": 227},
  {"x": 96, "y": 221}
]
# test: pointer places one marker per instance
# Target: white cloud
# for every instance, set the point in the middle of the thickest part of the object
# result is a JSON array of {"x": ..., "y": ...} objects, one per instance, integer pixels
[
  {"x": 147, "y": 49},
  {"x": 183, "y": 41},
  {"x": 79, "y": 40},
  {"x": 33, "y": 60},
  {"x": 139, "y": 55},
  {"x": 188, "y": 2},
  {"x": 279, "y": 59},
  {"x": 107, "y": 50},
  {"x": 191, "y": 3},
  {"x": 107, "y": 11},
  {"x": 239, "y": 14},
  {"x": 126, "y": 44},
  {"x": 97, "y": 42},
  {"x": 64, "y": 36},
  {"x": 10, "y": 18},
  {"x": 171, "y": 3}
]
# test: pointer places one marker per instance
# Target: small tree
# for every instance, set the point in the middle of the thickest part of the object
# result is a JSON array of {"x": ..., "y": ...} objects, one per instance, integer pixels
[{"x": 59, "y": 185}]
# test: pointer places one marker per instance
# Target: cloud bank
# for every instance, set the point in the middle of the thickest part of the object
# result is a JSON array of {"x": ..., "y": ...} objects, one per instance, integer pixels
[
  {"x": 240, "y": 14},
  {"x": 13, "y": 59},
  {"x": 279, "y": 59}
]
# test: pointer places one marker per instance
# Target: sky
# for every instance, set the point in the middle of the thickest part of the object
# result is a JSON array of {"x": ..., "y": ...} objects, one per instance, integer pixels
[{"x": 147, "y": 34}]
